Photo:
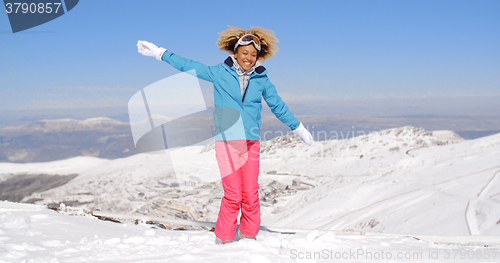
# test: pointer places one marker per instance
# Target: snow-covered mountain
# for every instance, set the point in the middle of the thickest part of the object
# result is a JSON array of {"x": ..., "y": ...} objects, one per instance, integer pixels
[
  {"x": 49, "y": 140},
  {"x": 66, "y": 125},
  {"x": 404, "y": 195},
  {"x": 405, "y": 180}
]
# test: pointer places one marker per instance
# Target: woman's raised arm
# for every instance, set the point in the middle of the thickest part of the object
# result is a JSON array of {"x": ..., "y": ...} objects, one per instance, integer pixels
[{"x": 183, "y": 64}]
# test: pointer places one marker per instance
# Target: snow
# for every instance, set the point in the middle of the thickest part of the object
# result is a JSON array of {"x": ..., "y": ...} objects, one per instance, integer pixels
[
  {"x": 407, "y": 181},
  {"x": 32, "y": 233},
  {"x": 401, "y": 190},
  {"x": 448, "y": 136}
]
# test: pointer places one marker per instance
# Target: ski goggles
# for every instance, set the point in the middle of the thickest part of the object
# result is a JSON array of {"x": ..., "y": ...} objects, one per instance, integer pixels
[{"x": 246, "y": 40}]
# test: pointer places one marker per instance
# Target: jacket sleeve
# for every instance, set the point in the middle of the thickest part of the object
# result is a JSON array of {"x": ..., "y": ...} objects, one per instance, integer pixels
[
  {"x": 183, "y": 64},
  {"x": 278, "y": 107}
]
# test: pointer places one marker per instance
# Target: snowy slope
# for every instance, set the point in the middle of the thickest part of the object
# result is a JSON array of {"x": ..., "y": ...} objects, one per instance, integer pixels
[
  {"x": 396, "y": 181},
  {"x": 400, "y": 181},
  {"x": 32, "y": 233}
]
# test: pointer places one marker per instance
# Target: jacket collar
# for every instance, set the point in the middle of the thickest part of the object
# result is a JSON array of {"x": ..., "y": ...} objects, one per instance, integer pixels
[
  {"x": 240, "y": 70},
  {"x": 229, "y": 62}
]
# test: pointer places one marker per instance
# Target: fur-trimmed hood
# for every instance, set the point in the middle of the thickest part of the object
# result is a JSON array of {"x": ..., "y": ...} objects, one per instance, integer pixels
[{"x": 229, "y": 37}]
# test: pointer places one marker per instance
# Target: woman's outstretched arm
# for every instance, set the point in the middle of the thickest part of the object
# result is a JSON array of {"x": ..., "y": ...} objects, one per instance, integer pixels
[
  {"x": 183, "y": 64},
  {"x": 279, "y": 108}
]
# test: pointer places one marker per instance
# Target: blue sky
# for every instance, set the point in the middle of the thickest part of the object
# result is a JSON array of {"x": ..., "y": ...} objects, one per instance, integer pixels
[{"x": 329, "y": 50}]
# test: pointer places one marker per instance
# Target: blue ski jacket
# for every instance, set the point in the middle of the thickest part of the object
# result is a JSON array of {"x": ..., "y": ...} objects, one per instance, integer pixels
[{"x": 229, "y": 101}]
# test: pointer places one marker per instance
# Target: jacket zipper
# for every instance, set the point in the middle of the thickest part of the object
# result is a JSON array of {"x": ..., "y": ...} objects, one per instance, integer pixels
[{"x": 245, "y": 93}]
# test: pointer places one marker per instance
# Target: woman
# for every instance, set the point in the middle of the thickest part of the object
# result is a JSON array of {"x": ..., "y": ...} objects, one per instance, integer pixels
[{"x": 240, "y": 83}]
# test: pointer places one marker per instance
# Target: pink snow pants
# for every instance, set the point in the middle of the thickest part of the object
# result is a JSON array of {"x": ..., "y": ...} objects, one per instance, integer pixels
[{"x": 239, "y": 167}]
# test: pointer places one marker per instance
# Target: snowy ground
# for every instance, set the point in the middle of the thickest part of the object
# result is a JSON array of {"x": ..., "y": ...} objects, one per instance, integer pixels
[
  {"x": 33, "y": 233},
  {"x": 394, "y": 193}
]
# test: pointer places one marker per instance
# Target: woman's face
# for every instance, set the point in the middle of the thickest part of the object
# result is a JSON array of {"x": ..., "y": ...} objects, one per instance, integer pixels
[{"x": 246, "y": 56}]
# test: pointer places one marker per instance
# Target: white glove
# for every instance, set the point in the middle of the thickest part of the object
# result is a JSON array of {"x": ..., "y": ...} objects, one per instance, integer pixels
[
  {"x": 150, "y": 49},
  {"x": 304, "y": 134}
]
